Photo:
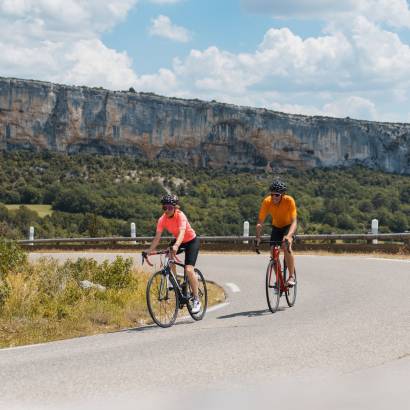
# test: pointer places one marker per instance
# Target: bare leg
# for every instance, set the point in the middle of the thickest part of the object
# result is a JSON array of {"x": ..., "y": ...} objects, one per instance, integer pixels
[
  {"x": 193, "y": 281},
  {"x": 290, "y": 261}
]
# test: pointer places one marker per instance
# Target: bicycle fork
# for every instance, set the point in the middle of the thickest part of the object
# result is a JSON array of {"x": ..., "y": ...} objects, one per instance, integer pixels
[{"x": 164, "y": 287}]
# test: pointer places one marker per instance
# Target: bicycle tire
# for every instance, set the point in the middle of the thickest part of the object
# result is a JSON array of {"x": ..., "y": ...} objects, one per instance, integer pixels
[
  {"x": 162, "y": 297},
  {"x": 203, "y": 297},
  {"x": 291, "y": 292},
  {"x": 272, "y": 288}
]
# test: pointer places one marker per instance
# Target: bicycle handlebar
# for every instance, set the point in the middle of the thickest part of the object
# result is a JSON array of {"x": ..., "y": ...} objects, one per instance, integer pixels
[
  {"x": 287, "y": 243},
  {"x": 145, "y": 256}
]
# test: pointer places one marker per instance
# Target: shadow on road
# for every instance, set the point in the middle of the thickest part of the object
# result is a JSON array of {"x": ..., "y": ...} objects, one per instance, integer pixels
[
  {"x": 250, "y": 313},
  {"x": 145, "y": 328}
]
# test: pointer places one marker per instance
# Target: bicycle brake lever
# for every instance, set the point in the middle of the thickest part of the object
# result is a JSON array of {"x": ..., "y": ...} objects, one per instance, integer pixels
[
  {"x": 145, "y": 258},
  {"x": 256, "y": 247},
  {"x": 143, "y": 255}
]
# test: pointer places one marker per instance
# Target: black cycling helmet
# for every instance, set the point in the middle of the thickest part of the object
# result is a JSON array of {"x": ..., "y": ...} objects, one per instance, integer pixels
[
  {"x": 278, "y": 186},
  {"x": 169, "y": 199}
]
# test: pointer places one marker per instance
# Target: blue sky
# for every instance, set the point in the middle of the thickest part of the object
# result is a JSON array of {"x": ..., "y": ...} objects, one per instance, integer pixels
[{"x": 314, "y": 57}]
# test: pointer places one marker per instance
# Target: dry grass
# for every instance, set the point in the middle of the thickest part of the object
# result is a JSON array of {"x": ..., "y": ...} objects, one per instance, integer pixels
[
  {"x": 216, "y": 294},
  {"x": 46, "y": 303}
]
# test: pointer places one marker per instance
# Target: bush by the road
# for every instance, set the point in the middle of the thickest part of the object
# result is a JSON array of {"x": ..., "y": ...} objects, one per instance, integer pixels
[{"x": 45, "y": 301}]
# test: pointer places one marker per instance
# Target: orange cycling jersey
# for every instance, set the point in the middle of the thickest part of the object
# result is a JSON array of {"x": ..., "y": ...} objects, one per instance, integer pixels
[{"x": 282, "y": 213}]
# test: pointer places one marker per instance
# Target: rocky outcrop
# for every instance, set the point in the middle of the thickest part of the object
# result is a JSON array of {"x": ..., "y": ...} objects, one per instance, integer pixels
[{"x": 43, "y": 116}]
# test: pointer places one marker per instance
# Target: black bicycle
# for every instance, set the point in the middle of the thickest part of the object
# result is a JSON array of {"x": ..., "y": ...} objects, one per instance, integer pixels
[{"x": 166, "y": 292}]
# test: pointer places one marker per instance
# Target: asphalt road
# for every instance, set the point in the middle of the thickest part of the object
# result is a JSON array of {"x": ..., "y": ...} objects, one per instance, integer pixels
[{"x": 344, "y": 345}]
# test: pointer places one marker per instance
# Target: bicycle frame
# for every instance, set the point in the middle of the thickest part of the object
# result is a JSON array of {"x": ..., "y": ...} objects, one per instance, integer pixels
[
  {"x": 167, "y": 271},
  {"x": 275, "y": 257},
  {"x": 278, "y": 271}
]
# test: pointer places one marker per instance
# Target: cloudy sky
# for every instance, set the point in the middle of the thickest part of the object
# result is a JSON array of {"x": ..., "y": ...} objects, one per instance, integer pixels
[{"x": 319, "y": 57}]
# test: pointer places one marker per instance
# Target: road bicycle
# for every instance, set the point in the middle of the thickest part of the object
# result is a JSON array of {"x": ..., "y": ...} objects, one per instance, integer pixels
[
  {"x": 167, "y": 293},
  {"x": 276, "y": 279}
]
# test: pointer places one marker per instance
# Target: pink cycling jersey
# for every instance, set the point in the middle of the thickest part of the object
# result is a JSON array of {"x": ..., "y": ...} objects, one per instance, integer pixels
[{"x": 174, "y": 224}]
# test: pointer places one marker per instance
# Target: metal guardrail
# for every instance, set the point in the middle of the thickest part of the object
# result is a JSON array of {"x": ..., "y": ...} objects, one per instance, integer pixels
[{"x": 227, "y": 239}]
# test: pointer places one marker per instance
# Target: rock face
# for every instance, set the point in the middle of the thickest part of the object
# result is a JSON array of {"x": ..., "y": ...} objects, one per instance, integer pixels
[{"x": 43, "y": 116}]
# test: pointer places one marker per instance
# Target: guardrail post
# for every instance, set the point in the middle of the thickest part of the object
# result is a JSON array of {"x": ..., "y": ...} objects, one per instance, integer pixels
[
  {"x": 246, "y": 230},
  {"x": 133, "y": 232},
  {"x": 31, "y": 235},
  {"x": 375, "y": 230}
]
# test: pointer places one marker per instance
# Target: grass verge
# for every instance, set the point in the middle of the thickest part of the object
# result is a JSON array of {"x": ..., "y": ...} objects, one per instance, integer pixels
[
  {"x": 42, "y": 210},
  {"x": 44, "y": 300}
]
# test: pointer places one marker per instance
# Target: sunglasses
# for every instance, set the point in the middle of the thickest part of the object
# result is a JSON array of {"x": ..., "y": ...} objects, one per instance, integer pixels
[
  {"x": 168, "y": 207},
  {"x": 275, "y": 194}
]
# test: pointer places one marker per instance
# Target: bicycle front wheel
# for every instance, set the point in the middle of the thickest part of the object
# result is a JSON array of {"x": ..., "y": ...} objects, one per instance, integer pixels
[
  {"x": 202, "y": 294},
  {"x": 290, "y": 293},
  {"x": 272, "y": 288},
  {"x": 162, "y": 299}
]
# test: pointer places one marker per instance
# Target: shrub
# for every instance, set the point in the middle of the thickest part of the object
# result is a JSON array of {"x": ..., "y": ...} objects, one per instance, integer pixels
[
  {"x": 12, "y": 257},
  {"x": 116, "y": 275},
  {"x": 4, "y": 292}
]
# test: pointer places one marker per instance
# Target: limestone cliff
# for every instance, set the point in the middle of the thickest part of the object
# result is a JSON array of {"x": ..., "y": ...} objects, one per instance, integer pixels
[{"x": 43, "y": 116}]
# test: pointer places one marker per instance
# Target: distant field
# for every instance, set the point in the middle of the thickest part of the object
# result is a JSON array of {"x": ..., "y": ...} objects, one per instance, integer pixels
[{"x": 42, "y": 210}]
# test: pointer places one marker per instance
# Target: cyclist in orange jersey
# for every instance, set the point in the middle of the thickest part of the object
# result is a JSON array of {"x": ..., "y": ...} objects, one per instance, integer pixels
[{"x": 282, "y": 209}]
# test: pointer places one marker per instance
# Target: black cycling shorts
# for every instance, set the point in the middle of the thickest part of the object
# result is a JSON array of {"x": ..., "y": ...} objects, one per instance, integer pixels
[
  {"x": 276, "y": 237},
  {"x": 191, "y": 249}
]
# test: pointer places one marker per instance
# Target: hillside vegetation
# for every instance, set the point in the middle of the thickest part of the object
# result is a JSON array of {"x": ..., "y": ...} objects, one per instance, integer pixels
[{"x": 95, "y": 195}]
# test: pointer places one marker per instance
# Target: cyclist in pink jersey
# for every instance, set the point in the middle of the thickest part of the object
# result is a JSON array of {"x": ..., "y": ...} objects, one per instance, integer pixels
[{"x": 175, "y": 222}]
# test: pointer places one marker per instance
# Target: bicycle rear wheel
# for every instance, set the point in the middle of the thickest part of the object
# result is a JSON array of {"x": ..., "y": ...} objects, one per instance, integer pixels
[
  {"x": 272, "y": 288},
  {"x": 290, "y": 293},
  {"x": 162, "y": 299},
  {"x": 202, "y": 294}
]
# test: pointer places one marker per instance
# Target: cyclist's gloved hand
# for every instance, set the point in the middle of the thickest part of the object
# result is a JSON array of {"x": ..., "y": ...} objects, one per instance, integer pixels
[{"x": 288, "y": 240}]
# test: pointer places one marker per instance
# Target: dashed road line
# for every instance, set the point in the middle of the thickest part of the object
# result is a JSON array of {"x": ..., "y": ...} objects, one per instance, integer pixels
[{"x": 233, "y": 287}]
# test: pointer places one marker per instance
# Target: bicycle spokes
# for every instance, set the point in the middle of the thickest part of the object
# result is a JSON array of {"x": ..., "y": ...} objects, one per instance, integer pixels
[
  {"x": 162, "y": 299},
  {"x": 272, "y": 287}
]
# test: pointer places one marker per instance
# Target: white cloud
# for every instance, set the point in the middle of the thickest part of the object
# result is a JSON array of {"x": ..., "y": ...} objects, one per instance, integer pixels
[
  {"x": 162, "y": 26},
  {"x": 380, "y": 54},
  {"x": 393, "y": 12},
  {"x": 163, "y": 82},
  {"x": 64, "y": 15},
  {"x": 58, "y": 40},
  {"x": 351, "y": 106},
  {"x": 91, "y": 62}
]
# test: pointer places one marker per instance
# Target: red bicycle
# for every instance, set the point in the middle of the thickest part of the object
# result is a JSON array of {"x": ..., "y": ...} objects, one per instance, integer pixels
[{"x": 276, "y": 279}]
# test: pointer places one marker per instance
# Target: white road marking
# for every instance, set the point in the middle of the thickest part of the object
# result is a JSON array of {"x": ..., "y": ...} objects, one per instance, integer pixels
[
  {"x": 233, "y": 287},
  {"x": 217, "y": 307},
  {"x": 390, "y": 260}
]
